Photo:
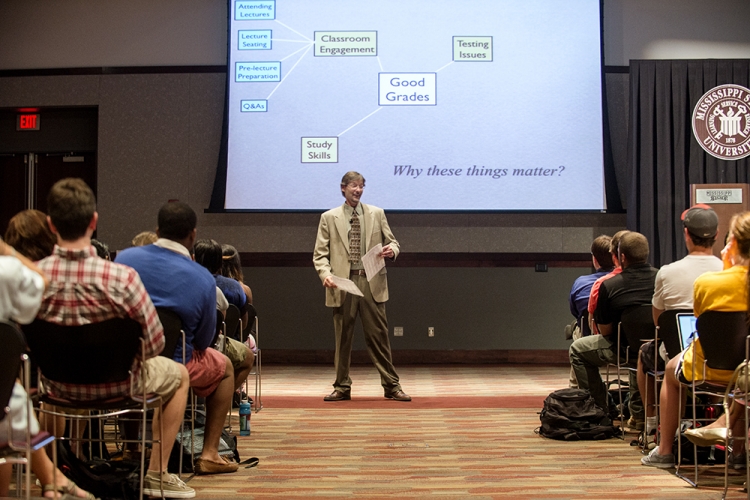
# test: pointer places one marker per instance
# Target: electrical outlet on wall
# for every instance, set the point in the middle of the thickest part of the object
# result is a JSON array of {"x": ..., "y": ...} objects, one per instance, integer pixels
[
  {"x": 431, "y": 331},
  {"x": 398, "y": 331}
]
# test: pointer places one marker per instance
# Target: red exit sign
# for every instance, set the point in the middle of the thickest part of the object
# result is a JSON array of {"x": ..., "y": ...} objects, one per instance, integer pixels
[{"x": 27, "y": 121}]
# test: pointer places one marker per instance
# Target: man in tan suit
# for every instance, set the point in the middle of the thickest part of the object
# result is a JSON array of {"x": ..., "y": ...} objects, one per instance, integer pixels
[{"x": 345, "y": 234}]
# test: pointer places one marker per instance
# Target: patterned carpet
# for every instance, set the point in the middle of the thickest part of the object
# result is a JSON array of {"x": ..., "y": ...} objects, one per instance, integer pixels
[{"x": 469, "y": 433}]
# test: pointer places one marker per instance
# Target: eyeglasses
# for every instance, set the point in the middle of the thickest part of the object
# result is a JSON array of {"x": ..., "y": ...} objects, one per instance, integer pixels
[{"x": 354, "y": 185}]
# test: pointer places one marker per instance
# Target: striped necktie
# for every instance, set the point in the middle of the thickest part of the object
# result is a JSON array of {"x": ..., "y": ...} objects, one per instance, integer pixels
[{"x": 355, "y": 238}]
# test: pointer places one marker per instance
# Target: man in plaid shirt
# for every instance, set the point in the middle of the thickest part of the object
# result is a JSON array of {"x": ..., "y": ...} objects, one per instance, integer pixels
[{"x": 87, "y": 289}]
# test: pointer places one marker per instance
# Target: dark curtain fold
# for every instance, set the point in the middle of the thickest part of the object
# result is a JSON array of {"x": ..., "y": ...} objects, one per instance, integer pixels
[
  {"x": 219, "y": 192},
  {"x": 664, "y": 158}
]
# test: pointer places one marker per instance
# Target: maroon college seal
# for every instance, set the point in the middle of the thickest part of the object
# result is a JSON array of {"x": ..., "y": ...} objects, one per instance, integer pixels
[{"x": 721, "y": 122}]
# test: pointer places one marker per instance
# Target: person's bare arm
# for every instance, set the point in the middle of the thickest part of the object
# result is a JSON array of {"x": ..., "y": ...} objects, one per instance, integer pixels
[
  {"x": 6, "y": 249},
  {"x": 248, "y": 293}
]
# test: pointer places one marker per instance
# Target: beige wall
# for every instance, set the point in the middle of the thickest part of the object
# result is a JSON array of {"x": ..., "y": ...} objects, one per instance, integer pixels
[{"x": 159, "y": 139}]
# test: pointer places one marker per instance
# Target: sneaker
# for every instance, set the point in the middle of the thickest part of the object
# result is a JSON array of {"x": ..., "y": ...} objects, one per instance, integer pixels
[
  {"x": 634, "y": 425},
  {"x": 653, "y": 459},
  {"x": 646, "y": 440},
  {"x": 174, "y": 487}
]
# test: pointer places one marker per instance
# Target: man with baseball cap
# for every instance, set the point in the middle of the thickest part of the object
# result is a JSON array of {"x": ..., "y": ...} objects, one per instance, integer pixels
[
  {"x": 674, "y": 290},
  {"x": 701, "y": 221}
]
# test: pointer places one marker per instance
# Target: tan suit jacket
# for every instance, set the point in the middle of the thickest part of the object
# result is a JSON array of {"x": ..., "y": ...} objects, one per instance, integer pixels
[{"x": 331, "y": 254}]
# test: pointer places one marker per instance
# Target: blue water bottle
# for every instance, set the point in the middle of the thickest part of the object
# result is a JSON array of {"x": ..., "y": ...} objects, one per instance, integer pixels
[{"x": 244, "y": 418}]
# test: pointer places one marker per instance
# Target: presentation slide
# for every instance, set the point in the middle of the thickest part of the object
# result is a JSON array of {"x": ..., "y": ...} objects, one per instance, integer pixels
[{"x": 440, "y": 104}]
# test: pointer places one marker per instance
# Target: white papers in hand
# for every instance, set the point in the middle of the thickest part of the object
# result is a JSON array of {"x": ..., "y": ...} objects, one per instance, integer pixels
[
  {"x": 373, "y": 261},
  {"x": 346, "y": 285}
]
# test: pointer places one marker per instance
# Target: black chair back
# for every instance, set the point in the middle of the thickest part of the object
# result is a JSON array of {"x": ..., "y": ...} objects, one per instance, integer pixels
[
  {"x": 232, "y": 321},
  {"x": 97, "y": 353},
  {"x": 172, "y": 325},
  {"x": 14, "y": 347},
  {"x": 637, "y": 324},
  {"x": 668, "y": 331},
  {"x": 583, "y": 324},
  {"x": 722, "y": 336},
  {"x": 252, "y": 313}
]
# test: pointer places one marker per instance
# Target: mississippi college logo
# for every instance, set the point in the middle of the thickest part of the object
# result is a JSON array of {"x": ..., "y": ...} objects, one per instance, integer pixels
[{"x": 721, "y": 122}]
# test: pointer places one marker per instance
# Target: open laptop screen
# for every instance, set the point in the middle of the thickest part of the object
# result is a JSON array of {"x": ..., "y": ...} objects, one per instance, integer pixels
[{"x": 686, "y": 327}]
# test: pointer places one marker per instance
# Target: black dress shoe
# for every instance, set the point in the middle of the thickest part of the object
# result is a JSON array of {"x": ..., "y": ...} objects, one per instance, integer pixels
[
  {"x": 398, "y": 395},
  {"x": 338, "y": 396}
]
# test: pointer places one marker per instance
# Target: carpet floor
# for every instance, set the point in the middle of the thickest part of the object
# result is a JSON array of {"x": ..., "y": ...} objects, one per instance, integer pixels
[{"x": 468, "y": 433}]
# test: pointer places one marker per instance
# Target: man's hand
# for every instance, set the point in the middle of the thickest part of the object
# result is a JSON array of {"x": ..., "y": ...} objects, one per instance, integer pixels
[
  {"x": 387, "y": 252},
  {"x": 328, "y": 282}
]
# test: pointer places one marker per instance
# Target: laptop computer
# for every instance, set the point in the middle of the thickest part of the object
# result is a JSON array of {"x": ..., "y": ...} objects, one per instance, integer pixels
[{"x": 686, "y": 326}]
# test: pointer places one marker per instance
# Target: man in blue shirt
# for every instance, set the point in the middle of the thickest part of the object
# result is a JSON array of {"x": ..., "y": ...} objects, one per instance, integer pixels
[
  {"x": 177, "y": 283},
  {"x": 601, "y": 258}
]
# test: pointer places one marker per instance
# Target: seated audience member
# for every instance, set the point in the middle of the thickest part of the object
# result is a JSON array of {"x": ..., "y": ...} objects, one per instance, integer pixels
[
  {"x": 725, "y": 290},
  {"x": 29, "y": 234},
  {"x": 21, "y": 287},
  {"x": 102, "y": 249},
  {"x": 87, "y": 289},
  {"x": 231, "y": 267},
  {"x": 221, "y": 302},
  {"x": 594, "y": 296},
  {"x": 673, "y": 290},
  {"x": 601, "y": 259},
  {"x": 144, "y": 238},
  {"x": 208, "y": 254},
  {"x": 634, "y": 286},
  {"x": 177, "y": 283}
]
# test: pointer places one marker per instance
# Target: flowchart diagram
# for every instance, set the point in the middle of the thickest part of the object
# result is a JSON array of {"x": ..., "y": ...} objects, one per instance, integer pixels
[
  {"x": 417, "y": 88},
  {"x": 476, "y": 104}
]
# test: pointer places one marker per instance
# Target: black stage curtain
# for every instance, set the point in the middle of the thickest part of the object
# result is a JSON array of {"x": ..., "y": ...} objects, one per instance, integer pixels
[{"x": 663, "y": 156}]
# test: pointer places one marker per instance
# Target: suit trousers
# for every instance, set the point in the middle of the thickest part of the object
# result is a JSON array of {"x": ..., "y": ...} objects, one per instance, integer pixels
[{"x": 375, "y": 326}]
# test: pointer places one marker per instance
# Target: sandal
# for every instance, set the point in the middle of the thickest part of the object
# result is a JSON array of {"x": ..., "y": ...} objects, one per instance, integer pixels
[{"x": 69, "y": 490}]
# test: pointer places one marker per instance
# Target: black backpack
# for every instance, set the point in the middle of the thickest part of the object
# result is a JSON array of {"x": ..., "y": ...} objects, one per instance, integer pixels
[
  {"x": 108, "y": 480},
  {"x": 572, "y": 415}
]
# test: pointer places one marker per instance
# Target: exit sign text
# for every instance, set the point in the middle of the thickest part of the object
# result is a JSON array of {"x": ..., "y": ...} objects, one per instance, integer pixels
[{"x": 27, "y": 122}]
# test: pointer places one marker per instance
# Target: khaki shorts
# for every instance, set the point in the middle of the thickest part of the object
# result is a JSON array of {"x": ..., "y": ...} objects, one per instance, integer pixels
[
  {"x": 162, "y": 376},
  {"x": 236, "y": 351}
]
